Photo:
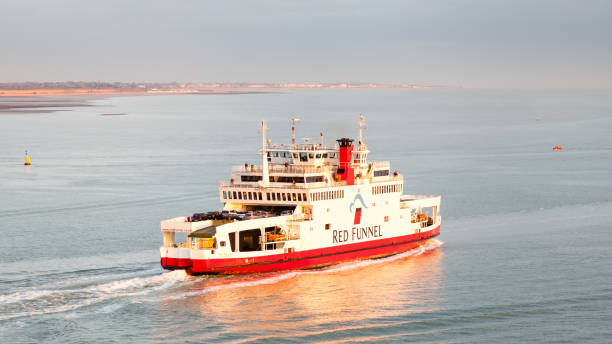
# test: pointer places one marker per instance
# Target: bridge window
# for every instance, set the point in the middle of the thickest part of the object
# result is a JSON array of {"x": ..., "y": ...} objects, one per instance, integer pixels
[
  {"x": 332, "y": 155},
  {"x": 250, "y": 178},
  {"x": 224, "y": 194},
  {"x": 381, "y": 173},
  {"x": 314, "y": 179},
  {"x": 285, "y": 179},
  {"x": 318, "y": 156},
  {"x": 303, "y": 156},
  {"x": 324, "y": 155}
]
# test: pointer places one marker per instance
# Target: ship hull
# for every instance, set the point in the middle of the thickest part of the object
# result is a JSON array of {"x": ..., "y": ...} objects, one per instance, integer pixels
[{"x": 308, "y": 259}]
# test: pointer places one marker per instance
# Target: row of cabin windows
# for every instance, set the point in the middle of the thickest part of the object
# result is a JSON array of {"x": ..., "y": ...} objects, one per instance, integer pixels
[
  {"x": 327, "y": 195},
  {"x": 271, "y": 196},
  {"x": 376, "y": 190},
  {"x": 284, "y": 179},
  {"x": 286, "y": 196},
  {"x": 381, "y": 173},
  {"x": 252, "y": 196},
  {"x": 303, "y": 156}
]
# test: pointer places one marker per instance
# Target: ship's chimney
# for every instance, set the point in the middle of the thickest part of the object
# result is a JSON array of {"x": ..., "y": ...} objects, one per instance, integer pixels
[{"x": 345, "y": 166}]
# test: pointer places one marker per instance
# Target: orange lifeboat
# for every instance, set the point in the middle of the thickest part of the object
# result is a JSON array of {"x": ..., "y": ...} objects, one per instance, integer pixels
[{"x": 557, "y": 148}]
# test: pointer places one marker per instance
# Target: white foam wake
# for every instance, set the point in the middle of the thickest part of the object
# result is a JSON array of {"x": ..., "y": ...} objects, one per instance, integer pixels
[
  {"x": 68, "y": 282},
  {"x": 40, "y": 302},
  {"x": 267, "y": 278},
  {"x": 67, "y": 297},
  {"x": 429, "y": 245}
]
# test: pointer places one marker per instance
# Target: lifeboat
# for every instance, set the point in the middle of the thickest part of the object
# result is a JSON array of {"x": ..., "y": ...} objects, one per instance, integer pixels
[{"x": 557, "y": 148}]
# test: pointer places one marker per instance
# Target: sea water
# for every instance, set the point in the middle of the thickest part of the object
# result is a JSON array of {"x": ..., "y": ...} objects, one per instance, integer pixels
[{"x": 525, "y": 251}]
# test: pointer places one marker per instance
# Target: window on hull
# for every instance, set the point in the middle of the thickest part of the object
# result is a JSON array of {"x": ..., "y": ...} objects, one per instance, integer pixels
[
  {"x": 232, "y": 240},
  {"x": 249, "y": 240}
]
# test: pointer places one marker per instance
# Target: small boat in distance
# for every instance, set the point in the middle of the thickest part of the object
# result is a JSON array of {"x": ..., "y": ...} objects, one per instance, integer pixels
[
  {"x": 306, "y": 206},
  {"x": 557, "y": 148}
]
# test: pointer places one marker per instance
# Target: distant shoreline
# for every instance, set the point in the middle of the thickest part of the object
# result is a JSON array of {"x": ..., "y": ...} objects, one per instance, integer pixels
[{"x": 105, "y": 89}]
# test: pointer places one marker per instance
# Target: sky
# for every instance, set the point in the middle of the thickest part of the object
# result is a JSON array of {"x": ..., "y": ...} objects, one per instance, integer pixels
[{"x": 496, "y": 44}]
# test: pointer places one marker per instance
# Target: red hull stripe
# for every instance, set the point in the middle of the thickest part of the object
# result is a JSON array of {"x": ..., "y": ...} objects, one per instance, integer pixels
[{"x": 307, "y": 259}]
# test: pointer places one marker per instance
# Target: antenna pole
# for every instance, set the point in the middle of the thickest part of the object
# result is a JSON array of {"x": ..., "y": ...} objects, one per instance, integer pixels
[
  {"x": 293, "y": 121},
  {"x": 264, "y": 155},
  {"x": 360, "y": 130}
]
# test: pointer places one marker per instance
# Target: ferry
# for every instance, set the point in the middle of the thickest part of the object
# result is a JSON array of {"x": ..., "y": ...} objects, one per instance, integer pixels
[{"x": 308, "y": 205}]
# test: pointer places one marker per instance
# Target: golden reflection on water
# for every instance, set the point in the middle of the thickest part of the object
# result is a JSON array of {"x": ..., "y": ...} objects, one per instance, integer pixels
[{"x": 305, "y": 303}]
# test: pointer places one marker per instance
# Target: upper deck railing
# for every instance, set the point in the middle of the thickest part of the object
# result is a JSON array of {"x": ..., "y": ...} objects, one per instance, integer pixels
[
  {"x": 380, "y": 164},
  {"x": 299, "y": 169},
  {"x": 302, "y": 147},
  {"x": 279, "y": 168}
]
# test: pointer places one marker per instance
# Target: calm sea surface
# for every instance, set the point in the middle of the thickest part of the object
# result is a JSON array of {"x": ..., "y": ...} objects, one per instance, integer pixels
[{"x": 525, "y": 253}]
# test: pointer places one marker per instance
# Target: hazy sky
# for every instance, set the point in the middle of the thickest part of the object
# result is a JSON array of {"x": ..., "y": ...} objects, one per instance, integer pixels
[{"x": 472, "y": 43}]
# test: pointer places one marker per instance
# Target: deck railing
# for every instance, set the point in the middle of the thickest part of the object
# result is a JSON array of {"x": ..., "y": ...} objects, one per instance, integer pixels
[{"x": 291, "y": 169}]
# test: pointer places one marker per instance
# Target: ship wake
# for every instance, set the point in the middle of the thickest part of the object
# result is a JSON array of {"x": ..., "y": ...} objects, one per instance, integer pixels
[
  {"x": 66, "y": 297},
  {"x": 107, "y": 293}
]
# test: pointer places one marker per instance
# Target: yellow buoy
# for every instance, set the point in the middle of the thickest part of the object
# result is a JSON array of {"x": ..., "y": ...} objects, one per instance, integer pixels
[{"x": 27, "y": 159}]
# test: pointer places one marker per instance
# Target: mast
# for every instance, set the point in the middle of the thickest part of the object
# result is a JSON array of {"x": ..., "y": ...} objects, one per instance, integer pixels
[
  {"x": 264, "y": 155},
  {"x": 360, "y": 130},
  {"x": 293, "y": 121}
]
